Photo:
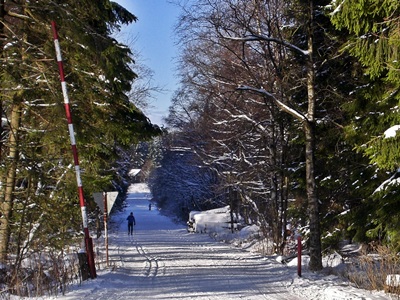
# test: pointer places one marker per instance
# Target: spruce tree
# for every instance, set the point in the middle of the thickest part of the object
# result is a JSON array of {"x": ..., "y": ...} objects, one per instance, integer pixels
[{"x": 373, "y": 30}]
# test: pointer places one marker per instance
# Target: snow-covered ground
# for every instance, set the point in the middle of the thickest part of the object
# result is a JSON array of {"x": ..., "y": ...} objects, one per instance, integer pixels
[{"x": 162, "y": 260}]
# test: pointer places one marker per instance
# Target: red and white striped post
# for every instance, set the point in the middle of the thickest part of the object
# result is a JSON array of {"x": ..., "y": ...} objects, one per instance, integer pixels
[
  {"x": 88, "y": 239},
  {"x": 106, "y": 225}
]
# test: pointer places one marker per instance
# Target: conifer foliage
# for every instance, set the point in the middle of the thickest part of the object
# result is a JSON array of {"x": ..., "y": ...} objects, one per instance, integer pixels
[
  {"x": 38, "y": 199},
  {"x": 373, "y": 38}
]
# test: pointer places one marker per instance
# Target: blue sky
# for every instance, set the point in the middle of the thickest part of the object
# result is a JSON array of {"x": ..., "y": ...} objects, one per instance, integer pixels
[{"x": 154, "y": 40}]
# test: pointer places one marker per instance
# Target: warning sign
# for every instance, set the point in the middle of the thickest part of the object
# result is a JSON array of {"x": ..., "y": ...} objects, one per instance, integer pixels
[{"x": 99, "y": 199}]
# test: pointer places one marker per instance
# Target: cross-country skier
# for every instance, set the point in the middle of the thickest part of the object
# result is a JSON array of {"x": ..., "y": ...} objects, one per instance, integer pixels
[{"x": 131, "y": 223}]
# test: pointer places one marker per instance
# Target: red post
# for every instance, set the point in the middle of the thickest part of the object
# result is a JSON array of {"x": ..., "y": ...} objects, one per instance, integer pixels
[
  {"x": 88, "y": 239},
  {"x": 299, "y": 256}
]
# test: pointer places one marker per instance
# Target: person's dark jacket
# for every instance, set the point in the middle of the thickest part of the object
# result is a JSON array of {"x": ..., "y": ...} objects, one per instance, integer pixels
[{"x": 131, "y": 219}]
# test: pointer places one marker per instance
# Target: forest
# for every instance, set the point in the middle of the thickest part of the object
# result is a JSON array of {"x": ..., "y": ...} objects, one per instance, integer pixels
[{"x": 287, "y": 111}]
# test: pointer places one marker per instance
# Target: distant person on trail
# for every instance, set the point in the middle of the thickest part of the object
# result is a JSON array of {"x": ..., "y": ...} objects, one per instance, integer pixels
[
  {"x": 131, "y": 223},
  {"x": 150, "y": 206}
]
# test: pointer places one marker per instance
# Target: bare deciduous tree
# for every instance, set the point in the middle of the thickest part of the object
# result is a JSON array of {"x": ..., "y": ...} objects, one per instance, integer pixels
[{"x": 258, "y": 41}]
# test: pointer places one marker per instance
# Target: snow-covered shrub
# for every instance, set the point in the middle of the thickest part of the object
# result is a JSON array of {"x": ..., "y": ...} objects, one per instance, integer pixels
[
  {"x": 40, "y": 273},
  {"x": 370, "y": 270}
]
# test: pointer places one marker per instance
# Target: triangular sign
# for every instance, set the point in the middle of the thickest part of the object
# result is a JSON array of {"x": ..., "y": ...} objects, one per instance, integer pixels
[
  {"x": 99, "y": 199},
  {"x": 111, "y": 197}
]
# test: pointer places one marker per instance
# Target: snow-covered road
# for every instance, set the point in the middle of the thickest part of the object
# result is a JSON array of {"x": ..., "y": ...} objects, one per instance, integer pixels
[{"x": 163, "y": 261}]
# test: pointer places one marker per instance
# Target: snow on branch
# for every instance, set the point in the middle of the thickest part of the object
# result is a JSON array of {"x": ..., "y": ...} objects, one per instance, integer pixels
[
  {"x": 279, "y": 103},
  {"x": 393, "y": 180},
  {"x": 243, "y": 117},
  {"x": 260, "y": 37},
  {"x": 392, "y": 131},
  {"x": 337, "y": 9}
]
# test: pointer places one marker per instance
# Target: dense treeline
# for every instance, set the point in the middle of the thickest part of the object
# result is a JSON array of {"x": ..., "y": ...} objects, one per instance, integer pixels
[
  {"x": 39, "y": 207},
  {"x": 287, "y": 104}
]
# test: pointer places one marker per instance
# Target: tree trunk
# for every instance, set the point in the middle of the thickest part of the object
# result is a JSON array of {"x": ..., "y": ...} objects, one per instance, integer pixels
[
  {"x": 7, "y": 203},
  {"x": 274, "y": 195},
  {"x": 313, "y": 206},
  {"x": 2, "y": 43},
  {"x": 284, "y": 206},
  {"x": 309, "y": 131}
]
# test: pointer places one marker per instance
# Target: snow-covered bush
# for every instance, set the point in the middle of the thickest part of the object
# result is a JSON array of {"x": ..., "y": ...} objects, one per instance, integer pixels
[{"x": 370, "y": 270}]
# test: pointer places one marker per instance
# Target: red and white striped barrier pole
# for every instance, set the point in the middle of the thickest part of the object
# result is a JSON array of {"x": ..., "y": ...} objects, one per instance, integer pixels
[{"x": 88, "y": 239}]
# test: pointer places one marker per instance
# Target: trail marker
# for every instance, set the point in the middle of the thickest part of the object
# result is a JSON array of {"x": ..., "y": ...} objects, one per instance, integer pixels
[{"x": 105, "y": 201}]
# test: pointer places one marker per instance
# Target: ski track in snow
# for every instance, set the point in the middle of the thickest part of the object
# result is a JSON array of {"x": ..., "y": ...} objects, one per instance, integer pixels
[{"x": 164, "y": 261}]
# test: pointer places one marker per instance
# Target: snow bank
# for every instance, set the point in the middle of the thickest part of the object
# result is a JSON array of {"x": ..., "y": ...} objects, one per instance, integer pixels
[
  {"x": 249, "y": 231},
  {"x": 331, "y": 260}
]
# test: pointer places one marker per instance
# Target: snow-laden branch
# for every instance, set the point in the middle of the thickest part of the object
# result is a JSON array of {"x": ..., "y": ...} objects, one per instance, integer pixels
[
  {"x": 260, "y": 37},
  {"x": 392, "y": 131},
  {"x": 337, "y": 9},
  {"x": 38, "y": 103},
  {"x": 279, "y": 103},
  {"x": 393, "y": 180},
  {"x": 19, "y": 16},
  {"x": 244, "y": 117},
  {"x": 253, "y": 204}
]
